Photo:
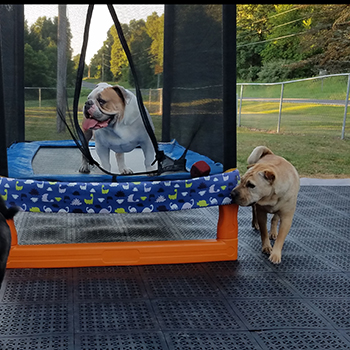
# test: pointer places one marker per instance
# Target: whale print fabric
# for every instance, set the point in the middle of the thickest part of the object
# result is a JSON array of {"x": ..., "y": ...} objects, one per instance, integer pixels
[{"x": 119, "y": 197}]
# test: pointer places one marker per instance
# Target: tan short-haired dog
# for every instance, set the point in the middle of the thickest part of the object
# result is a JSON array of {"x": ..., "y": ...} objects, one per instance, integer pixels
[{"x": 270, "y": 185}]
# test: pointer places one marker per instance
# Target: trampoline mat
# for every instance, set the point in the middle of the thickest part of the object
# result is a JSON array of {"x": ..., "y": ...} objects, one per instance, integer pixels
[
  {"x": 67, "y": 160},
  {"x": 50, "y": 228}
]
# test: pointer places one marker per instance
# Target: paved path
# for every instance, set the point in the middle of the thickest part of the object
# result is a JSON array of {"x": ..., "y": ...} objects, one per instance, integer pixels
[
  {"x": 306, "y": 181},
  {"x": 87, "y": 85},
  {"x": 297, "y": 100}
]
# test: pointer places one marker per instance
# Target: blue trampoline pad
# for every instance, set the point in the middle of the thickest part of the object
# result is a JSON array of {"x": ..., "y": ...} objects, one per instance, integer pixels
[{"x": 60, "y": 161}]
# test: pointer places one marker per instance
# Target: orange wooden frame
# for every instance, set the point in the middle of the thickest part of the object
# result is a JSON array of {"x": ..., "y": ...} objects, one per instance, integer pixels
[{"x": 225, "y": 247}]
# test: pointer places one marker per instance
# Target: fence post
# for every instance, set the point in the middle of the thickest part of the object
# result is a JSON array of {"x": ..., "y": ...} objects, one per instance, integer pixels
[
  {"x": 39, "y": 97},
  {"x": 345, "y": 108},
  {"x": 240, "y": 106},
  {"x": 149, "y": 99},
  {"x": 280, "y": 111},
  {"x": 160, "y": 92}
]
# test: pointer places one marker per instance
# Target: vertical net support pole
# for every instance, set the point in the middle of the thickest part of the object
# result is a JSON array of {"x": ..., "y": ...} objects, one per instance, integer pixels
[
  {"x": 229, "y": 86},
  {"x": 3, "y": 147},
  {"x": 169, "y": 15},
  {"x": 12, "y": 47}
]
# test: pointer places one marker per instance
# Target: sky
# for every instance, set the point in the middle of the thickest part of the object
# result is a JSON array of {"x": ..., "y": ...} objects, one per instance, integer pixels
[{"x": 100, "y": 23}]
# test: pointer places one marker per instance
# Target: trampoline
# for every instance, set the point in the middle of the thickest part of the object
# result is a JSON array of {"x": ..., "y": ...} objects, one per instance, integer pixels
[{"x": 42, "y": 177}]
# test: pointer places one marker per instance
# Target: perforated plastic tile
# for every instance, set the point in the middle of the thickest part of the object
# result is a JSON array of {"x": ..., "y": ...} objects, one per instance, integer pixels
[
  {"x": 206, "y": 314},
  {"x": 195, "y": 226},
  {"x": 341, "y": 260},
  {"x": 327, "y": 246},
  {"x": 38, "y": 342},
  {"x": 338, "y": 311},
  {"x": 34, "y": 319},
  {"x": 301, "y": 304},
  {"x": 211, "y": 341},
  {"x": 107, "y": 283},
  {"x": 335, "y": 222},
  {"x": 49, "y": 228},
  {"x": 303, "y": 340},
  {"x": 246, "y": 262},
  {"x": 115, "y": 316},
  {"x": 319, "y": 194},
  {"x": 36, "y": 290},
  {"x": 310, "y": 231},
  {"x": 320, "y": 285},
  {"x": 298, "y": 262},
  {"x": 286, "y": 313},
  {"x": 180, "y": 287},
  {"x": 253, "y": 286},
  {"x": 46, "y": 274},
  {"x": 104, "y": 271},
  {"x": 137, "y": 341},
  {"x": 171, "y": 269},
  {"x": 109, "y": 288},
  {"x": 149, "y": 227}
]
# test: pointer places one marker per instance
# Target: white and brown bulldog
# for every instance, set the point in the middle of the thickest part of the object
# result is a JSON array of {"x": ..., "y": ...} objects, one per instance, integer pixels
[
  {"x": 112, "y": 113},
  {"x": 270, "y": 185}
]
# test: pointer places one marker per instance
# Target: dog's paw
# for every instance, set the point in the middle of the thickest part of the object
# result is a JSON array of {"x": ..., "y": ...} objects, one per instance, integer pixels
[
  {"x": 84, "y": 169},
  {"x": 255, "y": 225},
  {"x": 275, "y": 258},
  {"x": 267, "y": 249},
  {"x": 126, "y": 171},
  {"x": 273, "y": 235}
]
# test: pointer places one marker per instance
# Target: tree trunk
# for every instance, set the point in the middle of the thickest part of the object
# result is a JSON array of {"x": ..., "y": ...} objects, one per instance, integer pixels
[{"x": 61, "y": 65}]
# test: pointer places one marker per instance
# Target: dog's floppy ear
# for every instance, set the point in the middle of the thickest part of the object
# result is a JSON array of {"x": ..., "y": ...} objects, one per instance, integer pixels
[
  {"x": 268, "y": 175},
  {"x": 123, "y": 93}
]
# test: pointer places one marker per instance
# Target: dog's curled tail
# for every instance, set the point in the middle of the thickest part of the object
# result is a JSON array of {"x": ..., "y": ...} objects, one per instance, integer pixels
[{"x": 258, "y": 152}]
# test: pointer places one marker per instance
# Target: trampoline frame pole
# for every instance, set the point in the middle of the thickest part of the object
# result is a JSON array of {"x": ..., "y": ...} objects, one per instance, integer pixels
[
  {"x": 169, "y": 15},
  {"x": 3, "y": 146},
  {"x": 229, "y": 86}
]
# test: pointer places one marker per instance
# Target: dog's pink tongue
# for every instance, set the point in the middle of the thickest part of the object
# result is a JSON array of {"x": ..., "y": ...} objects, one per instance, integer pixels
[{"x": 93, "y": 124}]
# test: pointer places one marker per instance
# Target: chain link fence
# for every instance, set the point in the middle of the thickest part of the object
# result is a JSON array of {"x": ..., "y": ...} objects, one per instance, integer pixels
[{"x": 316, "y": 105}]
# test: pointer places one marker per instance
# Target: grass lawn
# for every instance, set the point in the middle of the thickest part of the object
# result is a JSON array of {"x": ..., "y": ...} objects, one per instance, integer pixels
[
  {"x": 311, "y": 154},
  {"x": 332, "y": 88},
  {"x": 309, "y": 136}
]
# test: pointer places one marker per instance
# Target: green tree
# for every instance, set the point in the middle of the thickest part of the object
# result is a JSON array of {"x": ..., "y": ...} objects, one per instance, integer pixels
[
  {"x": 155, "y": 30},
  {"x": 100, "y": 62},
  {"x": 119, "y": 63},
  {"x": 327, "y": 42},
  {"x": 40, "y": 53},
  {"x": 286, "y": 24},
  {"x": 140, "y": 45},
  {"x": 252, "y": 30}
]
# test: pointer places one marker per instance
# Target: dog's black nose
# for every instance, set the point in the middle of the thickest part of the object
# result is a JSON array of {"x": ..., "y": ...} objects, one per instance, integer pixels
[
  {"x": 233, "y": 195},
  {"x": 89, "y": 103}
]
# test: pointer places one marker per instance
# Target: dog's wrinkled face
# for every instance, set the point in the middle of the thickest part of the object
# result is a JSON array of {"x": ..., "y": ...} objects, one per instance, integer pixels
[
  {"x": 105, "y": 106},
  {"x": 256, "y": 184}
]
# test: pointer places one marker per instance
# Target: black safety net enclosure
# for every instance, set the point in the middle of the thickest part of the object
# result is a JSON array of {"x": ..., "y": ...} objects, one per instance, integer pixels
[
  {"x": 194, "y": 84},
  {"x": 12, "y": 79},
  {"x": 199, "y": 79}
]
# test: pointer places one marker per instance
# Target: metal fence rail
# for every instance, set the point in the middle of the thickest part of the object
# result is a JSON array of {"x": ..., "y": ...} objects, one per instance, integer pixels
[
  {"x": 281, "y": 99},
  {"x": 152, "y": 98}
]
